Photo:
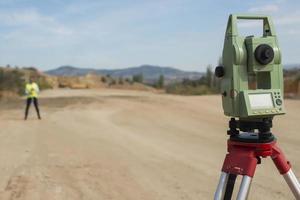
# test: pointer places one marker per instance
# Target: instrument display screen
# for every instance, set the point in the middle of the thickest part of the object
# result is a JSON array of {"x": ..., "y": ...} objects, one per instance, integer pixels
[{"x": 261, "y": 101}]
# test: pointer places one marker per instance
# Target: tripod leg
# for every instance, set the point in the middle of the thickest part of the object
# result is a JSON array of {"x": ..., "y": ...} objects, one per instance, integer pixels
[
  {"x": 244, "y": 188},
  {"x": 219, "y": 194},
  {"x": 284, "y": 167},
  {"x": 293, "y": 183},
  {"x": 230, "y": 186}
]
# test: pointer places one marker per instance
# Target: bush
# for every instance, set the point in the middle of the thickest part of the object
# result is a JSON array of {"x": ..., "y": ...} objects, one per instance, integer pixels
[
  {"x": 33, "y": 69},
  {"x": 160, "y": 82},
  {"x": 103, "y": 79},
  {"x": 12, "y": 80},
  {"x": 129, "y": 80},
  {"x": 43, "y": 84},
  {"x": 138, "y": 78},
  {"x": 207, "y": 84},
  {"x": 181, "y": 89},
  {"x": 298, "y": 77},
  {"x": 113, "y": 82},
  {"x": 121, "y": 81}
]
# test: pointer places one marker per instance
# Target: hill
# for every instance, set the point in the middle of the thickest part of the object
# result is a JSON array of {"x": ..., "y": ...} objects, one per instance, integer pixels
[{"x": 149, "y": 72}]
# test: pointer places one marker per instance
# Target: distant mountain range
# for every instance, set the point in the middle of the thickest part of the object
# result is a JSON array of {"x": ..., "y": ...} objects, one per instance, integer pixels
[{"x": 149, "y": 72}]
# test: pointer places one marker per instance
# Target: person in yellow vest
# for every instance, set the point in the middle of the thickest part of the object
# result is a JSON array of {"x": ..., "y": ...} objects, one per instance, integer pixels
[{"x": 32, "y": 90}]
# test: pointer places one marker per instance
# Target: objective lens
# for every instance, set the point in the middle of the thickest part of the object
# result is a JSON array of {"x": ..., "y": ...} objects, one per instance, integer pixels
[{"x": 264, "y": 54}]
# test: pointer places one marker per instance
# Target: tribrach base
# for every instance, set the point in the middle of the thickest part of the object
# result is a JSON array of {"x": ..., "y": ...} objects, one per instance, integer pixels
[{"x": 242, "y": 159}]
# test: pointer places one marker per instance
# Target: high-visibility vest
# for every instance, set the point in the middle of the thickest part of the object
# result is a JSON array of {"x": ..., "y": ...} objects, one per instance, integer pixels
[{"x": 32, "y": 90}]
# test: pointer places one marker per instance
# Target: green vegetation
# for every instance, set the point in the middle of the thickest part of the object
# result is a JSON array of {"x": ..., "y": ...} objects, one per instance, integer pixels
[
  {"x": 43, "y": 83},
  {"x": 128, "y": 80},
  {"x": 113, "y": 82},
  {"x": 103, "y": 79},
  {"x": 160, "y": 82},
  {"x": 121, "y": 81},
  {"x": 12, "y": 81},
  {"x": 138, "y": 78},
  {"x": 207, "y": 84},
  {"x": 188, "y": 89}
]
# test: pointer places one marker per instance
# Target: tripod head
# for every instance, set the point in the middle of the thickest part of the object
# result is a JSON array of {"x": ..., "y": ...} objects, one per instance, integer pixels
[{"x": 245, "y": 58}]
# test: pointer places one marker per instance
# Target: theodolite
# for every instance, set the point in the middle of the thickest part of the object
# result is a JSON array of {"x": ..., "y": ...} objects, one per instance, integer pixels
[{"x": 252, "y": 94}]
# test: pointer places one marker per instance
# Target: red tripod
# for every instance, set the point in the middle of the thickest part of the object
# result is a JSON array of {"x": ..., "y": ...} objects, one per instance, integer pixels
[{"x": 244, "y": 153}]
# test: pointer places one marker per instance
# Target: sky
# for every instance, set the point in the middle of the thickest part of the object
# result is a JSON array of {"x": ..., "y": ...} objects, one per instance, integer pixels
[{"x": 187, "y": 34}]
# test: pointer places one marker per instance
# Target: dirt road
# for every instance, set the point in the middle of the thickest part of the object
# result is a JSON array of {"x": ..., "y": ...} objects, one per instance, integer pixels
[{"x": 125, "y": 145}]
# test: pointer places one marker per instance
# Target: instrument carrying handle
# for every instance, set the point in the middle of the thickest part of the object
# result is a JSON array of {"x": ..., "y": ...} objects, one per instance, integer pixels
[{"x": 268, "y": 28}]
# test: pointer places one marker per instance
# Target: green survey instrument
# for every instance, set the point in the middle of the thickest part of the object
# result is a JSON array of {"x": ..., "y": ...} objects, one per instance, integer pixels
[
  {"x": 251, "y": 75},
  {"x": 252, "y": 94}
]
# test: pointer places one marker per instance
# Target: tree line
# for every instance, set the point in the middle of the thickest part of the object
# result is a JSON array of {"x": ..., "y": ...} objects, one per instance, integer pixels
[{"x": 207, "y": 84}]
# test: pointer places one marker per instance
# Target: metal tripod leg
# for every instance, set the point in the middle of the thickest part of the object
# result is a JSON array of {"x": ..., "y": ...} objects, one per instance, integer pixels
[
  {"x": 225, "y": 186},
  {"x": 293, "y": 183},
  {"x": 244, "y": 188},
  {"x": 219, "y": 195},
  {"x": 230, "y": 186},
  {"x": 284, "y": 169}
]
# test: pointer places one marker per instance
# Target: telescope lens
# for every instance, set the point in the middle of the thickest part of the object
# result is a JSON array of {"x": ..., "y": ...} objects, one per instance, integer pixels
[{"x": 264, "y": 54}]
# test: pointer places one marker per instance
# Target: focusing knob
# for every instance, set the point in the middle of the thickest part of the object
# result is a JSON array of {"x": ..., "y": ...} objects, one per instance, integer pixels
[
  {"x": 264, "y": 54},
  {"x": 219, "y": 71}
]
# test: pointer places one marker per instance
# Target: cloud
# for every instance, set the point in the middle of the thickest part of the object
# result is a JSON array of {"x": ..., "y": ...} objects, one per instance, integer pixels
[
  {"x": 27, "y": 17},
  {"x": 270, "y": 8},
  {"x": 30, "y": 19},
  {"x": 282, "y": 13},
  {"x": 293, "y": 32},
  {"x": 289, "y": 19},
  {"x": 79, "y": 7}
]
